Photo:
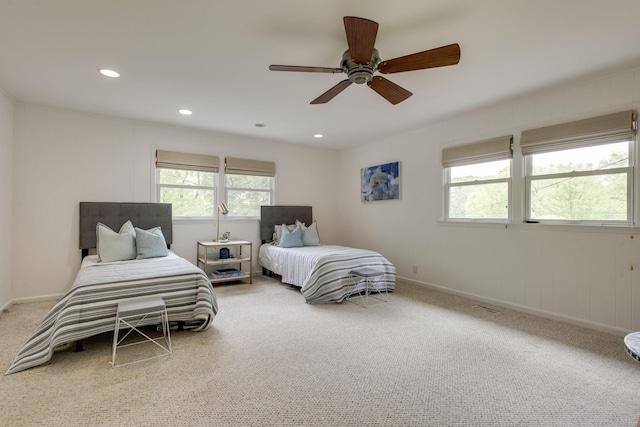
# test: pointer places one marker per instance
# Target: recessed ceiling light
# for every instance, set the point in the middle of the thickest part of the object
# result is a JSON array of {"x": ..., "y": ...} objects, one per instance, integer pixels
[
  {"x": 109, "y": 73},
  {"x": 185, "y": 112},
  {"x": 318, "y": 135}
]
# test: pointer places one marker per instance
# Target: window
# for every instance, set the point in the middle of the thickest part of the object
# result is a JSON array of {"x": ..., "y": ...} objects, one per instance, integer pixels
[
  {"x": 581, "y": 172},
  {"x": 477, "y": 180},
  {"x": 191, "y": 193},
  {"x": 246, "y": 193},
  {"x": 479, "y": 191},
  {"x": 188, "y": 182},
  {"x": 249, "y": 184}
]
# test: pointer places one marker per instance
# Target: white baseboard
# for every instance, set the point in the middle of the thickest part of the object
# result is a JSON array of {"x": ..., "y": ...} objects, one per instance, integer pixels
[
  {"x": 535, "y": 311},
  {"x": 36, "y": 299}
]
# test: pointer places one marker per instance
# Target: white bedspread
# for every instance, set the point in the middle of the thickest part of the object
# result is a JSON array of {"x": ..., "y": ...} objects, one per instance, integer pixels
[{"x": 322, "y": 272}]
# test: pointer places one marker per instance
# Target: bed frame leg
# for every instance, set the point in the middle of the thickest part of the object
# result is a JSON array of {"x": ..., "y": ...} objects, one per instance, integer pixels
[{"x": 79, "y": 346}]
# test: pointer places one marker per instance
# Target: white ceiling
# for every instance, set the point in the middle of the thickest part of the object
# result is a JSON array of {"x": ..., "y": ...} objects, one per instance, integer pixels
[{"x": 212, "y": 57}]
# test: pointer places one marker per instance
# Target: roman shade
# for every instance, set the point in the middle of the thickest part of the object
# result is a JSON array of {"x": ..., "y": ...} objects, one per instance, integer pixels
[
  {"x": 234, "y": 165},
  {"x": 487, "y": 150},
  {"x": 187, "y": 161},
  {"x": 616, "y": 127}
]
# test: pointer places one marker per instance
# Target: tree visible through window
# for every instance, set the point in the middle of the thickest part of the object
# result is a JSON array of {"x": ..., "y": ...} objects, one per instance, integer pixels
[
  {"x": 191, "y": 193},
  {"x": 246, "y": 193},
  {"x": 190, "y": 182},
  {"x": 478, "y": 191},
  {"x": 582, "y": 184}
]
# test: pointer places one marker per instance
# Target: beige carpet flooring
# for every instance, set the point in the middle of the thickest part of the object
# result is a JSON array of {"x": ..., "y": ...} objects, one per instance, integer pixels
[{"x": 423, "y": 359}]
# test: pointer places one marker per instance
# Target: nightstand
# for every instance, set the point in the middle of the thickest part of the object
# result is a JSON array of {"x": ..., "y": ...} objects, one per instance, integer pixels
[{"x": 239, "y": 255}]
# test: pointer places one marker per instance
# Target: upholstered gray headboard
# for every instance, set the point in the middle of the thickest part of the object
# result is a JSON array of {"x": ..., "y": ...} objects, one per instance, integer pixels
[
  {"x": 278, "y": 215},
  {"x": 113, "y": 215}
]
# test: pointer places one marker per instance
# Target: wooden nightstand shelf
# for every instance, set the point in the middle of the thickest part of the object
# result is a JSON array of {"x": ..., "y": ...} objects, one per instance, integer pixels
[{"x": 240, "y": 252}]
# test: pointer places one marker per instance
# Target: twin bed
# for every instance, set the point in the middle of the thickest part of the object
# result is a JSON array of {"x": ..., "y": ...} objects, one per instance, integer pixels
[
  {"x": 320, "y": 271},
  {"x": 89, "y": 307}
]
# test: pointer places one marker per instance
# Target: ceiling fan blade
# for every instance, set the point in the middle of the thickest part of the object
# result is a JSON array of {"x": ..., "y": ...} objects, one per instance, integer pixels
[
  {"x": 388, "y": 90},
  {"x": 331, "y": 93},
  {"x": 305, "y": 69},
  {"x": 361, "y": 36},
  {"x": 438, "y": 57}
]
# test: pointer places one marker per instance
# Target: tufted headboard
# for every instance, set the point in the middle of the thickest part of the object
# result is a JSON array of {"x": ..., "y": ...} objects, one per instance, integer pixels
[
  {"x": 278, "y": 215},
  {"x": 113, "y": 215}
]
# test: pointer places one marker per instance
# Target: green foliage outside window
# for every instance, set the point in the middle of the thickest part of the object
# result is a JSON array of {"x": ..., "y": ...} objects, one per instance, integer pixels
[
  {"x": 186, "y": 177},
  {"x": 486, "y": 201},
  {"x": 248, "y": 181},
  {"x": 191, "y": 193},
  {"x": 246, "y": 193},
  {"x": 582, "y": 184},
  {"x": 588, "y": 198},
  {"x": 481, "y": 197},
  {"x": 245, "y": 203},
  {"x": 568, "y": 191}
]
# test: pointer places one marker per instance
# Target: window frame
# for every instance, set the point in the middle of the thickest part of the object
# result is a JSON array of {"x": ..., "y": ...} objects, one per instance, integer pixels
[
  {"x": 629, "y": 170},
  {"x": 225, "y": 189},
  {"x": 448, "y": 185},
  {"x": 220, "y": 189},
  {"x": 215, "y": 188}
]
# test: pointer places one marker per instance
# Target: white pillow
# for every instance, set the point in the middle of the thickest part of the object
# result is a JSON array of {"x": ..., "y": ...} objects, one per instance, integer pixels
[
  {"x": 112, "y": 246},
  {"x": 150, "y": 243},
  {"x": 310, "y": 236}
]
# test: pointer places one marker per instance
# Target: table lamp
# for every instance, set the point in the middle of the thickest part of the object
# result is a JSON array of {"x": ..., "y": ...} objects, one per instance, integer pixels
[{"x": 222, "y": 209}]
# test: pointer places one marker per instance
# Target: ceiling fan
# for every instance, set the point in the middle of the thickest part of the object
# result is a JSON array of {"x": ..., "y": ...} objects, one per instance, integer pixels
[{"x": 362, "y": 60}]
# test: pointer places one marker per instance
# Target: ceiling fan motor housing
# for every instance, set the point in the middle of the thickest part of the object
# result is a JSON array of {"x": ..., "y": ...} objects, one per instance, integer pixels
[{"x": 359, "y": 73}]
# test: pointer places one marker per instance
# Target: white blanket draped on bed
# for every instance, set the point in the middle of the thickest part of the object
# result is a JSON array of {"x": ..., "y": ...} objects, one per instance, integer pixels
[
  {"x": 322, "y": 272},
  {"x": 89, "y": 307}
]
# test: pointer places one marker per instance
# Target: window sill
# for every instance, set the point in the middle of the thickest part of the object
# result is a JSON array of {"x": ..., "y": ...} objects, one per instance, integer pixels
[
  {"x": 210, "y": 220},
  {"x": 614, "y": 229}
]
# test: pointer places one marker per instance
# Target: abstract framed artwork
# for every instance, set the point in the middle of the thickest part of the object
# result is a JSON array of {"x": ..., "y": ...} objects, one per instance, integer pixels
[{"x": 380, "y": 182}]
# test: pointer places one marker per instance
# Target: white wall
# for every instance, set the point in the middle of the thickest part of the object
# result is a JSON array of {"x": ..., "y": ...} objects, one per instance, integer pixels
[
  {"x": 6, "y": 195},
  {"x": 579, "y": 274},
  {"x": 64, "y": 157}
]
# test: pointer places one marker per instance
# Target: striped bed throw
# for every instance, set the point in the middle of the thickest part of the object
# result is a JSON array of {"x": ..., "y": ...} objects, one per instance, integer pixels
[
  {"x": 89, "y": 307},
  {"x": 322, "y": 272}
]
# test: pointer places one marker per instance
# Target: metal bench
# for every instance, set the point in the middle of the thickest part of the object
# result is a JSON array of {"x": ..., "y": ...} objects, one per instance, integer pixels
[
  {"x": 372, "y": 293},
  {"x": 135, "y": 313}
]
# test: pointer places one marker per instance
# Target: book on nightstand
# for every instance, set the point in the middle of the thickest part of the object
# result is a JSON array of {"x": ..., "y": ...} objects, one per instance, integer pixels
[{"x": 225, "y": 273}]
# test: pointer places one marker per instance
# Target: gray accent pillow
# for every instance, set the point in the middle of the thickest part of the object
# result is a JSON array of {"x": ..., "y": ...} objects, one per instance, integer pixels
[
  {"x": 150, "y": 243},
  {"x": 112, "y": 246}
]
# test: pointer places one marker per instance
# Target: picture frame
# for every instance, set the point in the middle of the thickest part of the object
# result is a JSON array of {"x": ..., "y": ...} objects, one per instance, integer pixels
[{"x": 380, "y": 182}]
